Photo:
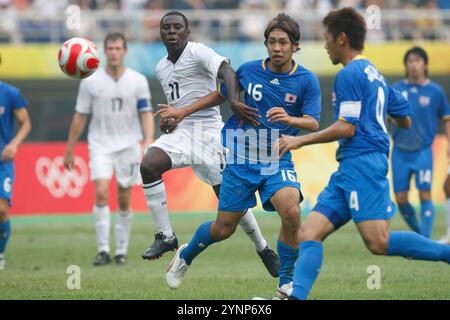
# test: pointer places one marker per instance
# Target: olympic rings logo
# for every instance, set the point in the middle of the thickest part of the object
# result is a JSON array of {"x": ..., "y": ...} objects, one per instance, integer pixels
[{"x": 59, "y": 181}]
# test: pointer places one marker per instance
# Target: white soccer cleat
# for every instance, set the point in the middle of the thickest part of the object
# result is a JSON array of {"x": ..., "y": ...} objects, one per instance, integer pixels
[
  {"x": 285, "y": 291},
  {"x": 177, "y": 269},
  {"x": 445, "y": 239}
]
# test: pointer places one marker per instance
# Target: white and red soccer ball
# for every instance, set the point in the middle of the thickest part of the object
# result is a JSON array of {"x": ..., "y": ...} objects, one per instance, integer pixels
[{"x": 78, "y": 58}]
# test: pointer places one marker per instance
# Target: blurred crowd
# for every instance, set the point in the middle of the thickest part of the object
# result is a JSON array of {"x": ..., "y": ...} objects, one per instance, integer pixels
[
  {"x": 54, "y": 5},
  {"x": 244, "y": 24}
]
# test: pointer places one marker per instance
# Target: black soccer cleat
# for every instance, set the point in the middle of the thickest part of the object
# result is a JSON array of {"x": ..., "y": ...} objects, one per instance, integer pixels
[
  {"x": 101, "y": 259},
  {"x": 161, "y": 245},
  {"x": 120, "y": 259},
  {"x": 270, "y": 260}
]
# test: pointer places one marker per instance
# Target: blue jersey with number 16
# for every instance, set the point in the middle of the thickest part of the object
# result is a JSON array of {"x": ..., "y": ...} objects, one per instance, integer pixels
[{"x": 296, "y": 91}]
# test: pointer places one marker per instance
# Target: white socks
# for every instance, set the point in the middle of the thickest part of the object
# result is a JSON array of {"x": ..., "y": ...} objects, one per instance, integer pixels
[
  {"x": 123, "y": 228},
  {"x": 101, "y": 217},
  {"x": 251, "y": 228},
  {"x": 102, "y": 225},
  {"x": 155, "y": 193}
]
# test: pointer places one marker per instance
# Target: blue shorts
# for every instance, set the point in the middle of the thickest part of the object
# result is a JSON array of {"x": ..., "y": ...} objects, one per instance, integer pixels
[
  {"x": 241, "y": 181},
  {"x": 6, "y": 180},
  {"x": 359, "y": 190},
  {"x": 407, "y": 163}
]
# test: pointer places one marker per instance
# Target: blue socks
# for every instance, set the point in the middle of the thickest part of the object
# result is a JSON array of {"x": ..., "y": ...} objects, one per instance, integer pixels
[
  {"x": 5, "y": 231},
  {"x": 409, "y": 215},
  {"x": 427, "y": 210},
  {"x": 199, "y": 242},
  {"x": 307, "y": 268},
  {"x": 415, "y": 246},
  {"x": 287, "y": 255}
]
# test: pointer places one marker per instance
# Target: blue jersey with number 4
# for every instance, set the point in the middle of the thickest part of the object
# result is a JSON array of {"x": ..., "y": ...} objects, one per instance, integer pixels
[
  {"x": 296, "y": 91},
  {"x": 362, "y": 97}
]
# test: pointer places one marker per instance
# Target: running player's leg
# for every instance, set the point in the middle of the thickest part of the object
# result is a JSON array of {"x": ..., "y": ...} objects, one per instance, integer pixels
[
  {"x": 329, "y": 214},
  {"x": 123, "y": 224},
  {"x": 102, "y": 221},
  {"x": 313, "y": 232},
  {"x": 424, "y": 177},
  {"x": 286, "y": 202},
  {"x": 6, "y": 182},
  {"x": 156, "y": 161},
  {"x": 126, "y": 167},
  {"x": 5, "y": 230},
  {"x": 380, "y": 241},
  {"x": 207, "y": 233},
  {"x": 251, "y": 228},
  {"x": 401, "y": 176},
  {"x": 446, "y": 238}
]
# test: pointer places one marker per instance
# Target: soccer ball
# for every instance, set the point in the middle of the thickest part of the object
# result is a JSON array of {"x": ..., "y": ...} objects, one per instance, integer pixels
[{"x": 78, "y": 58}]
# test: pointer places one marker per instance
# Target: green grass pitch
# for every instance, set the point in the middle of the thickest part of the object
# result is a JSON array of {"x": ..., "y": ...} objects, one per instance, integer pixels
[{"x": 41, "y": 248}]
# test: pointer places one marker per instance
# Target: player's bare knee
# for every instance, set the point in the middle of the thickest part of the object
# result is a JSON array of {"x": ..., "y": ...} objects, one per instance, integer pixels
[
  {"x": 290, "y": 219},
  {"x": 3, "y": 213},
  {"x": 150, "y": 171},
  {"x": 378, "y": 246},
  {"x": 308, "y": 234},
  {"x": 424, "y": 196},
  {"x": 401, "y": 198},
  {"x": 101, "y": 196}
]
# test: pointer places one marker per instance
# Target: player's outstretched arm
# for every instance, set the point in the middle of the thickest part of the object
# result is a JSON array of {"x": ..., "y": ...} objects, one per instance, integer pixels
[
  {"x": 148, "y": 126},
  {"x": 23, "y": 119},
  {"x": 178, "y": 114},
  {"x": 404, "y": 123},
  {"x": 278, "y": 114},
  {"x": 76, "y": 128},
  {"x": 242, "y": 111},
  {"x": 338, "y": 130}
]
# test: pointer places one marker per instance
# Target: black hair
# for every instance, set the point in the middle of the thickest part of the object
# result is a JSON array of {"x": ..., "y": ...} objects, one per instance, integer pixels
[
  {"x": 285, "y": 23},
  {"x": 421, "y": 53},
  {"x": 175, "y": 13},
  {"x": 350, "y": 22}
]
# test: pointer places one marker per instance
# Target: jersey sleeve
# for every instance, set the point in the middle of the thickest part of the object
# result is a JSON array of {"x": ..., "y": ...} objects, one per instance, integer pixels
[
  {"x": 312, "y": 103},
  {"x": 143, "y": 96},
  {"x": 209, "y": 59},
  {"x": 398, "y": 106},
  {"x": 348, "y": 97},
  {"x": 444, "y": 108},
  {"x": 18, "y": 102},
  {"x": 83, "y": 99}
]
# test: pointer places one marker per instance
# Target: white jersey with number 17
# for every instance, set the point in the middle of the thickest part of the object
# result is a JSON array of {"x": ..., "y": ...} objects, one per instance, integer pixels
[{"x": 114, "y": 107}]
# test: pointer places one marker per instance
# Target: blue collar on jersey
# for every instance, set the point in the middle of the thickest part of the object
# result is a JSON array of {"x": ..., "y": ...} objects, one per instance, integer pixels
[{"x": 293, "y": 68}]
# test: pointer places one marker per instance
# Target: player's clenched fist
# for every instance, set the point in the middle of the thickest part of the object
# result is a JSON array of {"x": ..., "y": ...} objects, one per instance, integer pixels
[
  {"x": 286, "y": 143},
  {"x": 68, "y": 160}
]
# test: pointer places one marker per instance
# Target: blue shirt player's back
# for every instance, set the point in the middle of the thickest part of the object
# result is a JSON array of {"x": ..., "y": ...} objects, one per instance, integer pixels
[
  {"x": 297, "y": 91},
  {"x": 429, "y": 104},
  {"x": 362, "y": 97},
  {"x": 10, "y": 99}
]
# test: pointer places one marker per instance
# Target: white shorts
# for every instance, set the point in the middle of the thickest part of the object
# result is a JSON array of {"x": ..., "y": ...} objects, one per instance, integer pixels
[
  {"x": 124, "y": 163},
  {"x": 196, "y": 147}
]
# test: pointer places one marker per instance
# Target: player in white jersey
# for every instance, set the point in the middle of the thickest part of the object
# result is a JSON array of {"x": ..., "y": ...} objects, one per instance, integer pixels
[
  {"x": 118, "y": 100},
  {"x": 187, "y": 73}
]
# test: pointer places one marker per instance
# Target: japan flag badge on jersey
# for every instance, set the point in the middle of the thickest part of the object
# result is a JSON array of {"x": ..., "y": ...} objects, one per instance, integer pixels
[{"x": 290, "y": 98}]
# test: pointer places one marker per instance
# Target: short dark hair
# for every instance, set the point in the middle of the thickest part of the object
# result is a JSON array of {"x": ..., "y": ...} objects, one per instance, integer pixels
[
  {"x": 175, "y": 13},
  {"x": 285, "y": 23},
  {"x": 350, "y": 22},
  {"x": 421, "y": 53},
  {"x": 114, "y": 36}
]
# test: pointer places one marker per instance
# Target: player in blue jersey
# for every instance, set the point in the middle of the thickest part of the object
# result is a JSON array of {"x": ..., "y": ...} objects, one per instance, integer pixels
[
  {"x": 412, "y": 152},
  {"x": 287, "y": 98},
  {"x": 12, "y": 106},
  {"x": 359, "y": 189}
]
